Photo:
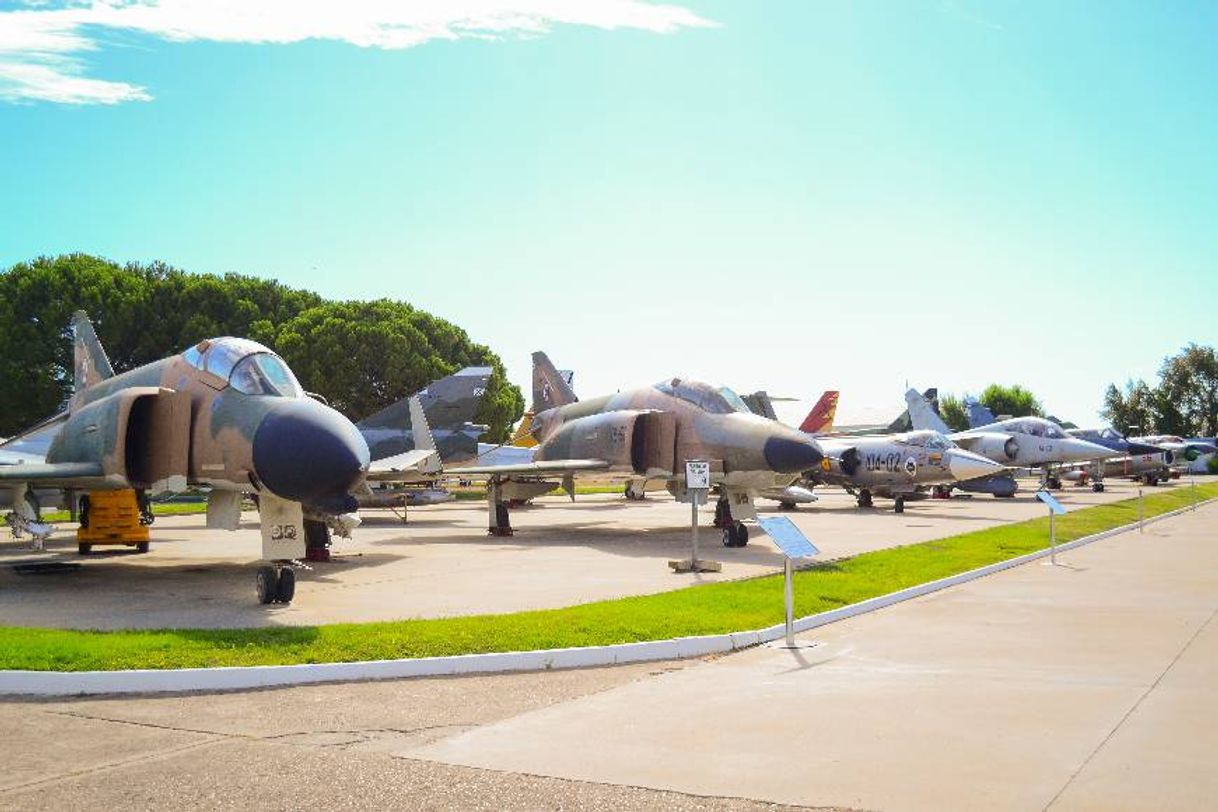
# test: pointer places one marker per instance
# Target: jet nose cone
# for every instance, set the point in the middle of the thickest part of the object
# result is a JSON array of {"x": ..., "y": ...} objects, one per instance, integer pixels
[
  {"x": 307, "y": 452},
  {"x": 966, "y": 465},
  {"x": 1079, "y": 450},
  {"x": 788, "y": 455}
]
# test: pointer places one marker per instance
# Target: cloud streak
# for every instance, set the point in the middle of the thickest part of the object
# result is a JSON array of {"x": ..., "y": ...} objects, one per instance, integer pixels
[{"x": 44, "y": 46}]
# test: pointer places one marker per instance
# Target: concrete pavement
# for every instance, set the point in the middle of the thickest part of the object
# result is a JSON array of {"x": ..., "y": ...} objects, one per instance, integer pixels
[{"x": 442, "y": 563}]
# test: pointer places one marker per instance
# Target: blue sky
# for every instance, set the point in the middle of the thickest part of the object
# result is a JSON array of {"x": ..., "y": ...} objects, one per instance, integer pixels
[{"x": 789, "y": 195}]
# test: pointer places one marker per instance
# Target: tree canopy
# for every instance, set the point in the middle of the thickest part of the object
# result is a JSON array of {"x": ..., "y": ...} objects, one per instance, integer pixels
[
  {"x": 1013, "y": 400},
  {"x": 951, "y": 409},
  {"x": 361, "y": 356},
  {"x": 1184, "y": 402}
]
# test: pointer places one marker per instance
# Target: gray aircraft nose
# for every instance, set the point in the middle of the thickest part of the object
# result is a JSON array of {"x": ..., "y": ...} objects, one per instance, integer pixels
[
  {"x": 306, "y": 452},
  {"x": 788, "y": 455},
  {"x": 966, "y": 465},
  {"x": 1074, "y": 450}
]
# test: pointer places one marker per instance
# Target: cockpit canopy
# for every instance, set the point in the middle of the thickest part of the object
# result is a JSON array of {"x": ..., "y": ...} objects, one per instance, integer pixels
[
  {"x": 932, "y": 440},
  {"x": 248, "y": 366},
  {"x": 1037, "y": 427},
  {"x": 703, "y": 395}
]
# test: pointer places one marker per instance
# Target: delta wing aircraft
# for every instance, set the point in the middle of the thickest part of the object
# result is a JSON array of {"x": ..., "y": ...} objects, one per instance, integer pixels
[
  {"x": 1020, "y": 442},
  {"x": 226, "y": 414},
  {"x": 650, "y": 433}
]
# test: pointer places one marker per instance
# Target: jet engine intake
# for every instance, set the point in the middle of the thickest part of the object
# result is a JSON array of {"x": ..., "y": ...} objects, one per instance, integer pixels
[{"x": 633, "y": 441}]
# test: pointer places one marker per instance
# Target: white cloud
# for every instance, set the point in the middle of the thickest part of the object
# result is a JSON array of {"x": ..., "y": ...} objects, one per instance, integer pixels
[{"x": 41, "y": 44}]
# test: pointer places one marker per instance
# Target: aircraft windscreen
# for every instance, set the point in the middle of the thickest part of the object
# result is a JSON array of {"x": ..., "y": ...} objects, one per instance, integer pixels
[
  {"x": 702, "y": 395},
  {"x": 734, "y": 400},
  {"x": 1054, "y": 432},
  {"x": 265, "y": 374}
]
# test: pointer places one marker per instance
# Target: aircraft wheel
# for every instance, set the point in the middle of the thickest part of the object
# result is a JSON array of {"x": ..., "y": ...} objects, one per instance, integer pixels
[
  {"x": 266, "y": 581},
  {"x": 864, "y": 499},
  {"x": 1097, "y": 487},
  {"x": 899, "y": 507},
  {"x": 741, "y": 531},
  {"x": 1054, "y": 484},
  {"x": 729, "y": 537},
  {"x": 285, "y": 589},
  {"x": 141, "y": 547},
  {"x": 84, "y": 549},
  {"x": 786, "y": 506}
]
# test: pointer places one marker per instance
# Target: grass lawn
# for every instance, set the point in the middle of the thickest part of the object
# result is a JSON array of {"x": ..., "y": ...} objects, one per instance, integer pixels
[{"x": 708, "y": 609}]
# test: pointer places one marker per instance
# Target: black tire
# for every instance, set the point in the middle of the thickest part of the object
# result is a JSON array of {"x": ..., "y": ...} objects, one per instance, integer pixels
[
  {"x": 729, "y": 537},
  {"x": 786, "y": 506},
  {"x": 141, "y": 547},
  {"x": 266, "y": 582},
  {"x": 84, "y": 549},
  {"x": 502, "y": 518},
  {"x": 899, "y": 507},
  {"x": 1097, "y": 487},
  {"x": 864, "y": 499},
  {"x": 83, "y": 511},
  {"x": 740, "y": 534},
  {"x": 285, "y": 589}
]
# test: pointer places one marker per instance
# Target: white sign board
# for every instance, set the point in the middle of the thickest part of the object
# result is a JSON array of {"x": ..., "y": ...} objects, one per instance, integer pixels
[
  {"x": 283, "y": 535},
  {"x": 1053, "y": 504},
  {"x": 697, "y": 475},
  {"x": 789, "y": 538}
]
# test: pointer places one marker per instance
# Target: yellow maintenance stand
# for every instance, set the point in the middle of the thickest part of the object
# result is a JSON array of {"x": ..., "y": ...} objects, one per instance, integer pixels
[{"x": 112, "y": 517}]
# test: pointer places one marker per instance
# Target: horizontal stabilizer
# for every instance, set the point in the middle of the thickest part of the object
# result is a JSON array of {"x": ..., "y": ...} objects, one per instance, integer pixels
[{"x": 545, "y": 467}]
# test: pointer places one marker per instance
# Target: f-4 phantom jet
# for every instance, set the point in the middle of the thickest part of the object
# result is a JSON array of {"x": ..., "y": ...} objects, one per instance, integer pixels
[
  {"x": 226, "y": 414},
  {"x": 650, "y": 433}
]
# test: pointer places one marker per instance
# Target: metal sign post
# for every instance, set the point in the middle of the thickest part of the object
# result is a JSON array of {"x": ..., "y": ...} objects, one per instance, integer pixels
[
  {"x": 1141, "y": 510},
  {"x": 697, "y": 486},
  {"x": 1055, "y": 508},
  {"x": 794, "y": 544}
]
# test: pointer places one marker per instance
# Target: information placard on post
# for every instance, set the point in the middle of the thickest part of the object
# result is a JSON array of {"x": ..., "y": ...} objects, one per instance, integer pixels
[
  {"x": 697, "y": 475},
  {"x": 1055, "y": 509},
  {"x": 789, "y": 538},
  {"x": 794, "y": 544},
  {"x": 1049, "y": 500},
  {"x": 697, "y": 486}
]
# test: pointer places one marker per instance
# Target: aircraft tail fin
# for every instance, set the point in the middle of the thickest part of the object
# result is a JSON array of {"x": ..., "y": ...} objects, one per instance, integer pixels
[
  {"x": 978, "y": 414},
  {"x": 523, "y": 437},
  {"x": 550, "y": 387},
  {"x": 820, "y": 419},
  {"x": 922, "y": 415},
  {"x": 760, "y": 403},
  {"x": 423, "y": 439},
  {"x": 90, "y": 364}
]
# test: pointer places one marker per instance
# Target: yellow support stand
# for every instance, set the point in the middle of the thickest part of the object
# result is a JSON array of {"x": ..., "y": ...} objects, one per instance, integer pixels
[{"x": 113, "y": 517}]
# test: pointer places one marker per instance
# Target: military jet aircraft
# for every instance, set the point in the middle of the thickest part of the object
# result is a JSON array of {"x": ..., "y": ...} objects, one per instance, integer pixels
[
  {"x": 225, "y": 414},
  {"x": 898, "y": 466},
  {"x": 650, "y": 433},
  {"x": 1020, "y": 442},
  {"x": 1130, "y": 458}
]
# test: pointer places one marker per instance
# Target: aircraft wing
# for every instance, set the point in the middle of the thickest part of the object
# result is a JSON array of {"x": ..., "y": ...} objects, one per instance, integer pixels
[
  {"x": 542, "y": 467},
  {"x": 409, "y": 466},
  {"x": 81, "y": 475}
]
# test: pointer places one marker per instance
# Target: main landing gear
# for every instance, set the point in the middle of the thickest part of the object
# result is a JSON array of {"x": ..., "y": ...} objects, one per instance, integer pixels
[
  {"x": 899, "y": 507},
  {"x": 864, "y": 499},
  {"x": 735, "y": 533},
  {"x": 1097, "y": 486},
  {"x": 275, "y": 584},
  {"x": 500, "y": 523}
]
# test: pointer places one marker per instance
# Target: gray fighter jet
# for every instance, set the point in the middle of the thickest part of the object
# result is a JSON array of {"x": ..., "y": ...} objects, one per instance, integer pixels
[
  {"x": 650, "y": 433},
  {"x": 1020, "y": 442}
]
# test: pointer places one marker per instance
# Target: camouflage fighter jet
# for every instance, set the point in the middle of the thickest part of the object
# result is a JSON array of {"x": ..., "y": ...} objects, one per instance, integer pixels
[
  {"x": 226, "y": 414},
  {"x": 651, "y": 433},
  {"x": 1020, "y": 442}
]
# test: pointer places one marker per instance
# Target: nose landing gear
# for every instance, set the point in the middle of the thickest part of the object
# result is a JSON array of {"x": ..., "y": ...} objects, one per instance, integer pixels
[{"x": 275, "y": 584}]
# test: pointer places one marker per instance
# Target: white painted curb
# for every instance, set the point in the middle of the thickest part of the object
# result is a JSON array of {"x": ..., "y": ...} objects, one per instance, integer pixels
[{"x": 75, "y": 683}]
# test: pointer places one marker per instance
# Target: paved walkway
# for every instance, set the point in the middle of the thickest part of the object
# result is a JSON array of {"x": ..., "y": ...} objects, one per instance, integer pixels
[{"x": 1090, "y": 685}]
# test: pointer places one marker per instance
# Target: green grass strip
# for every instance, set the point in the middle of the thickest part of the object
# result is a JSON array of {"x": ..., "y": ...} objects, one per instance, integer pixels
[{"x": 707, "y": 609}]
